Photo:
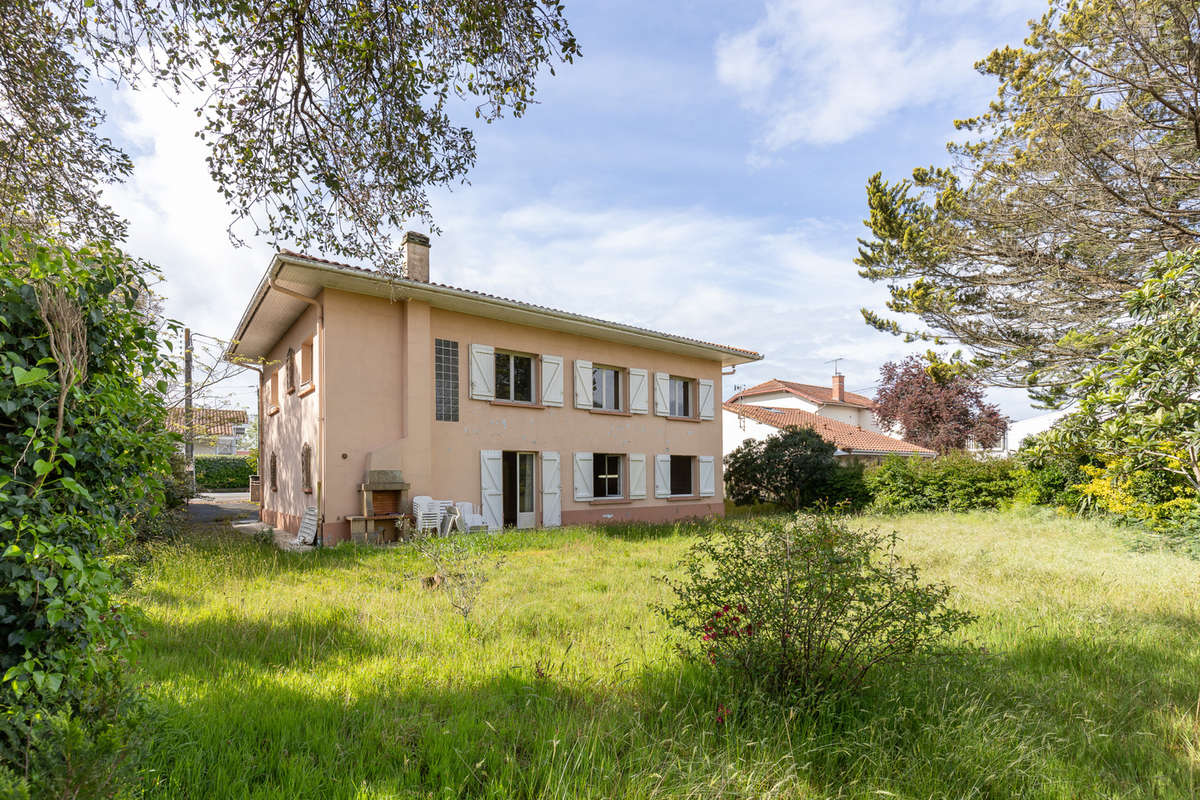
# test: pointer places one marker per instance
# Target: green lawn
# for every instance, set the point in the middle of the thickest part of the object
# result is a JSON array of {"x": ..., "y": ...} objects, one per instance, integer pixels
[{"x": 336, "y": 675}]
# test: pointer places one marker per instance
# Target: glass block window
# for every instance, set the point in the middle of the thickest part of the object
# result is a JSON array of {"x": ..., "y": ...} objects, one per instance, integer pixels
[{"x": 445, "y": 373}]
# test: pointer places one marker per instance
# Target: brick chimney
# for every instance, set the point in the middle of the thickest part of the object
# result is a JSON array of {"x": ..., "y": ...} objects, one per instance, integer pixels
[
  {"x": 839, "y": 388},
  {"x": 416, "y": 256}
]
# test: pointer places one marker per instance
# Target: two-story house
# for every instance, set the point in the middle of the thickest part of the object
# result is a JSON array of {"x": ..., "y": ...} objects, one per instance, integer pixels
[{"x": 537, "y": 416}]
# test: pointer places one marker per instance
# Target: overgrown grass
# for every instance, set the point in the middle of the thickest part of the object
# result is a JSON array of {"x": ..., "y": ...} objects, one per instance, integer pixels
[{"x": 334, "y": 675}]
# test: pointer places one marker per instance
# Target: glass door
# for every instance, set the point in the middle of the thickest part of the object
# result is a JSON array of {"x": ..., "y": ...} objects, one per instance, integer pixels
[{"x": 526, "y": 518}]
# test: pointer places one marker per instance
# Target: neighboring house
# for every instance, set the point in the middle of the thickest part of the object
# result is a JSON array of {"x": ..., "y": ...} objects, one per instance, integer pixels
[
  {"x": 844, "y": 419},
  {"x": 743, "y": 422},
  {"x": 216, "y": 431},
  {"x": 378, "y": 389},
  {"x": 833, "y": 401},
  {"x": 1021, "y": 430}
]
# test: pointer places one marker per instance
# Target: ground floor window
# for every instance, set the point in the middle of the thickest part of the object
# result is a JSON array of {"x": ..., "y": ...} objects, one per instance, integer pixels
[
  {"x": 681, "y": 475},
  {"x": 606, "y": 475}
]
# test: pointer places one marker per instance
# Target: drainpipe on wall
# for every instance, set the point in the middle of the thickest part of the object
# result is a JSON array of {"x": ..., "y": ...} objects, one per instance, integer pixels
[{"x": 320, "y": 401}]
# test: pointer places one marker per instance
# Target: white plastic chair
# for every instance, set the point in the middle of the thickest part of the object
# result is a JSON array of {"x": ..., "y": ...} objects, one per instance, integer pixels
[
  {"x": 469, "y": 519},
  {"x": 427, "y": 512}
]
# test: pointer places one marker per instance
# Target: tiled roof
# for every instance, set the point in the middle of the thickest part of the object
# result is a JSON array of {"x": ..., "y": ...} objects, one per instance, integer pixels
[
  {"x": 531, "y": 306},
  {"x": 821, "y": 395},
  {"x": 207, "y": 421},
  {"x": 850, "y": 438}
]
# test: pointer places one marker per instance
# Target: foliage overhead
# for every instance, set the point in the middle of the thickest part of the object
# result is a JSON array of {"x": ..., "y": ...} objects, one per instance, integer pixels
[
  {"x": 326, "y": 122},
  {"x": 803, "y": 607},
  {"x": 937, "y": 405},
  {"x": 1083, "y": 170}
]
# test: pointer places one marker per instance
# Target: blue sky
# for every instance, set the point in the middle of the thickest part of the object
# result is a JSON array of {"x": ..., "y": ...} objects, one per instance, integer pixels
[{"x": 712, "y": 155}]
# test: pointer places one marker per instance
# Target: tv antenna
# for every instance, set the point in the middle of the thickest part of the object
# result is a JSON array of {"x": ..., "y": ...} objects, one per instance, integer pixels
[{"x": 835, "y": 361}]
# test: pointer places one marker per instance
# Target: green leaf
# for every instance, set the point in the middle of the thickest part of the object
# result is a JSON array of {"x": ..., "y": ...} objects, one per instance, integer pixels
[
  {"x": 42, "y": 467},
  {"x": 24, "y": 376}
]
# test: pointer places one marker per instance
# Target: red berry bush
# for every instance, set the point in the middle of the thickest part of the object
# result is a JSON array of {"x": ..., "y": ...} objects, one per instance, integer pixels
[{"x": 804, "y": 606}]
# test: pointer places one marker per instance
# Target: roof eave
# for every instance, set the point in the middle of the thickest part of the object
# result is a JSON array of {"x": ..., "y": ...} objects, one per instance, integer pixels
[{"x": 402, "y": 288}]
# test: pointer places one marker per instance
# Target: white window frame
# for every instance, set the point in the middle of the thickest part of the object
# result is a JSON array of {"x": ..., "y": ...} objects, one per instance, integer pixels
[
  {"x": 512, "y": 355},
  {"x": 687, "y": 385},
  {"x": 618, "y": 394},
  {"x": 620, "y": 476}
]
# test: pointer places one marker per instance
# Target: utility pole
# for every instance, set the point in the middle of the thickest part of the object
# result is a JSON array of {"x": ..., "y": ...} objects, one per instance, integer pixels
[{"x": 189, "y": 446}]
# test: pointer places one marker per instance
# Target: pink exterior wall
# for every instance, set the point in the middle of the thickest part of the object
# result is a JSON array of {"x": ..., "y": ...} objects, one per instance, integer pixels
[
  {"x": 285, "y": 432},
  {"x": 379, "y": 371}
]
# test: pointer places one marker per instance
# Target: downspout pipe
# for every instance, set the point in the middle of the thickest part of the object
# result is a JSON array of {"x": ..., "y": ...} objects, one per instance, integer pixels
[{"x": 320, "y": 398}]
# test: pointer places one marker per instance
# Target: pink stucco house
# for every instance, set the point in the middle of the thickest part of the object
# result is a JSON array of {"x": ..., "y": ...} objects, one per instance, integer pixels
[{"x": 377, "y": 389}]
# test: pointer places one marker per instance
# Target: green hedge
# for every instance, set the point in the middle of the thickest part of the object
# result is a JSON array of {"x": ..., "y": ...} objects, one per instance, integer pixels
[
  {"x": 948, "y": 483},
  {"x": 224, "y": 472}
]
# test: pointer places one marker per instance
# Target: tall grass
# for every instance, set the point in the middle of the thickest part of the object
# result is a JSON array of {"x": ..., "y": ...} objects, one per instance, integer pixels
[{"x": 336, "y": 675}]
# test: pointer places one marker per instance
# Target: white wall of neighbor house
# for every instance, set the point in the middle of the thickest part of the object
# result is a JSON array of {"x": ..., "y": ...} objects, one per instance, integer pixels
[
  {"x": 851, "y": 415},
  {"x": 780, "y": 400},
  {"x": 735, "y": 430}
]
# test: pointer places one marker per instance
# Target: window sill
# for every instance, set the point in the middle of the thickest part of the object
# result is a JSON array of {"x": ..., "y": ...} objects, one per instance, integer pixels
[
  {"x": 610, "y": 412},
  {"x": 611, "y": 501},
  {"x": 683, "y": 419},
  {"x": 306, "y": 389},
  {"x": 515, "y": 404},
  {"x": 308, "y": 491},
  {"x": 272, "y": 411},
  {"x": 675, "y": 498}
]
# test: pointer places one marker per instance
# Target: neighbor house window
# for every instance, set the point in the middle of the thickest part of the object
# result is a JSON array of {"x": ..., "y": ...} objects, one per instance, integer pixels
[
  {"x": 514, "y": 377},
  {"x": 681, "y": 475},
  {"x": 606, "y": 475},
  {"x": 680, "y": 397},
  {"x": 274, "y": 474},
  {"x": 445, "y": 374},
  {"x": 606, "y": 388},
  {"x": 291, "y": 370},
  {"x": 306, "y": 363},
  {"x": 306, "y": 467}
]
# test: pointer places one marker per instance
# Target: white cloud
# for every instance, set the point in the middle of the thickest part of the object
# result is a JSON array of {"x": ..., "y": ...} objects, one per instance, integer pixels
[{"x": 826, "y": 71}]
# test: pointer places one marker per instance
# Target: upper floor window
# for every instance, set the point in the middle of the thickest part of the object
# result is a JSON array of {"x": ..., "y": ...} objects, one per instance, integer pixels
[
  {"x": 306, "y": 363},
  {"x": 606, "y": 388},
  {"x": 290, "y": 366},
  {"x": 273, "y": 393},
  {"x": 514, "y": 377},
  {"x": 680, "y": 397},
  {"x": 606, "y": 475},
  {"x": 445, "y": 375}
]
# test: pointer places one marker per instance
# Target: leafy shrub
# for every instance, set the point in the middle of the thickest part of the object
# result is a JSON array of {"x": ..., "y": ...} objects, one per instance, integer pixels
[
  {"x": 794, "y": 469},
  {"x": 224, "y": 472},
  {"x": 804, "y": 606},
  {"x": 1048, "y": 477},
  {"x": 83, "y": 441},
  {"x": 957, "y": 482}
]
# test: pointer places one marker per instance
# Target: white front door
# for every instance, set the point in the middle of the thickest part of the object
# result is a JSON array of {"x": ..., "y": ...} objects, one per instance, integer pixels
[{"x": 526, "y": 511}]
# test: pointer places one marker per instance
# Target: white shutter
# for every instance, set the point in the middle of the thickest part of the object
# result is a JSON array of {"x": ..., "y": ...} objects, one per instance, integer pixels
[
  {"x": 639, "y": 392},
  {"x": 491, "y": 483},
  {"x": 662, "y": 475},
  {"x": 583, "y": 384},
  {"x": 552, "y": 381},
  {"x": 637, "y": 476},
  {"x": 551, "y": 491},
  {"x": 706, "y": 399},
  {"x": 483, "y": 372},
  {"x": 662, "y": 391},
  {"x": 583, "y": 476},
  {"x": 708, "y": 476}
]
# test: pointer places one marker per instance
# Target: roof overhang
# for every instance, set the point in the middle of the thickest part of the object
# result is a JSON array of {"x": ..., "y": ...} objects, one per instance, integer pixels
[{"x": 271, "y": 312}]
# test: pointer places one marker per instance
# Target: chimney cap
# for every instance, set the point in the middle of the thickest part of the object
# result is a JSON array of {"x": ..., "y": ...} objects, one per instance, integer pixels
[{"x": 415, "y": 238}]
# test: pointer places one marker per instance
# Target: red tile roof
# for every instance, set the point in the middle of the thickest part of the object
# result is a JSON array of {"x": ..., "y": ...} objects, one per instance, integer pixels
[
  {"x": 207, "y": 421},
  {"x": 850, "y": 438},
  {"x": 821, "y": 395},
  {"x": 533, "y": 306}
]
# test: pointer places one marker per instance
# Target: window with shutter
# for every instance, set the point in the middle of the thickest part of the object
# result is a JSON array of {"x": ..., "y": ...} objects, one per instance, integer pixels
[
  {"x": 552, "y": 380},
  {"x": 290, "y": 366},
  {"x": 583, "y": 476},
  {"x": 706, "y": 403},
  {"x": 639, "y": 395},
  {"x": 637, "y": 476},
  {"x": 708, "y": 471},
  {"x": 583, "y": 383},
  {"x": 483, "y": 372}
]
